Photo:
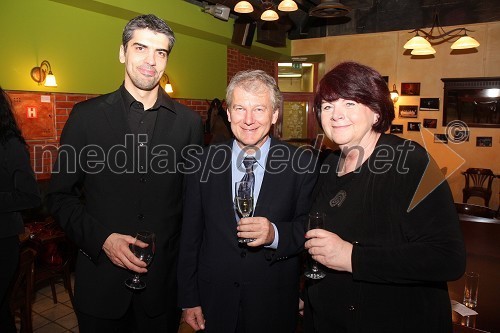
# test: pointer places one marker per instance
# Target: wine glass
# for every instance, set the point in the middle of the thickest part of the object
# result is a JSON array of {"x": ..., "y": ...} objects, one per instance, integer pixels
[
  {"x": 243, "y": 200},
  {"x": 144, "y": 249},
  {"x": 316, "y": 221}
]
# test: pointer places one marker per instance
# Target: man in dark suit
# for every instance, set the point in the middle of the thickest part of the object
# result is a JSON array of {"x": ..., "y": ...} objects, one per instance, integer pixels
[
  {"x": 118, "y": 173},
  {"x": 225, "y": 285}
]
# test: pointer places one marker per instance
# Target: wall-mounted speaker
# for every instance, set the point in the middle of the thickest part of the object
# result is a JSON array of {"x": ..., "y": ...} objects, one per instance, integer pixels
[{"x": 243, "y": 33}]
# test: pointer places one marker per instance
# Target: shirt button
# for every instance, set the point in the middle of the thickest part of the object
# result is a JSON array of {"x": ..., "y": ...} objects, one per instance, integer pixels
[
  {"x": 351, "y": 308},
  {"x": 243, "y": 254},
  {"x": 236, "y": 284}
]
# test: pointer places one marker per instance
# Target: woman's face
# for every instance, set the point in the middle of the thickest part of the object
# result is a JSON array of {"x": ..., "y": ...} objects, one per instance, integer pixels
[{"x": 347, "y": 123}]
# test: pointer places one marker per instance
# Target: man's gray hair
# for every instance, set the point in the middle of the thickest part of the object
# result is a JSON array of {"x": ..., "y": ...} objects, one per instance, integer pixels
[{"x": 252, "y": 81}]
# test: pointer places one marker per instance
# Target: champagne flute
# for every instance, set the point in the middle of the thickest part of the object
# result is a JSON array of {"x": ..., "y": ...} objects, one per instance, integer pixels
[
  {"x": 316, "y": 221},
  {"x": 144, "y": 249},
  {"x": 243, "y": 200}
]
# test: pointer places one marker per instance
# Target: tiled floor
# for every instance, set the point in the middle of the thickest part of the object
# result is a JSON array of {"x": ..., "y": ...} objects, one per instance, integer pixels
[{"x": 53, "y": 318}]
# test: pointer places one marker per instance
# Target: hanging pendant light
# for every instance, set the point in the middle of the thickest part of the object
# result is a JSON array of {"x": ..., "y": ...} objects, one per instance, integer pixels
[
  {"x": 243, "y": 7},
  {"x": 465, "y": 42},
  {"x": 423, "y": 51},
  {"x": 417, "y": 42},
  {"x": 269, "y": 15},
  {"x": 287, "y": 6}
]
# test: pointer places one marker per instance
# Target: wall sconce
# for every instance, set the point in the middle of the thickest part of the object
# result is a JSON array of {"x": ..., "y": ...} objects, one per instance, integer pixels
[
  {"x": 39, "y": 74},
  {"x": 168, "y": 87},
  {"x": 394, "y": 94}
]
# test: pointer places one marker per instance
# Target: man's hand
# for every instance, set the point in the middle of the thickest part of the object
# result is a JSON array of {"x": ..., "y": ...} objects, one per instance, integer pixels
[
  {"x": 194, "y": 318},
  {"x": 118, "y": 251},
  {"x": 329, "y": 249},
  {"x": 258, "y": 228}
]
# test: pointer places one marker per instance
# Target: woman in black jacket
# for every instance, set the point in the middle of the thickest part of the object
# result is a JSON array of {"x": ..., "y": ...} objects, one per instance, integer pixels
[{"x": 18, "y": 191}]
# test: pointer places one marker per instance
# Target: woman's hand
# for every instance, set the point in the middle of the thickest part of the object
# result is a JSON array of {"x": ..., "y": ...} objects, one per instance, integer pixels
[{"x": 329, "y": 249}]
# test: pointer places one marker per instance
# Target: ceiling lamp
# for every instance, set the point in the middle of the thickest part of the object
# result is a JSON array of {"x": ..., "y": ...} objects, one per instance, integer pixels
[
  {"x": 39, "y": 74},
  {"x": 288, "y": 6},
  {"x": 437, "y": 35},
  {"x": 328, "y": 9},
  {"x": 269, "y": 14},
  {"x": 243, "y": 7}
]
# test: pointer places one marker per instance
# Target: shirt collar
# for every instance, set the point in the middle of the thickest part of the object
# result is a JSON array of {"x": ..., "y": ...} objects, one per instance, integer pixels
[
  {"x": 260, "y": 155},
  {"x": 163, "y": 100}
]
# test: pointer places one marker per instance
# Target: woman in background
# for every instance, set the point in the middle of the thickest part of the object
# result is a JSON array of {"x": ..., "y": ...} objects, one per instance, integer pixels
[
  {"x": 392, "y": 237},
  {"x": 18, "y": 191}
]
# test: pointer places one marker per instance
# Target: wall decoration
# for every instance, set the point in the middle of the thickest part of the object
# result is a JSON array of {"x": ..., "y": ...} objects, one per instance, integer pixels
[
  {"x": 440, "y": 138},
  {"x": 484, "y": 141},
  {"x": 408, "y": 111},
  {"x": 410, "y": 89},
  {"x": 413, "y": 126},
  {"x": 430, "y": 123},
  {"x": 429, "y": 104},
  {"x": 396, "y": 129}
]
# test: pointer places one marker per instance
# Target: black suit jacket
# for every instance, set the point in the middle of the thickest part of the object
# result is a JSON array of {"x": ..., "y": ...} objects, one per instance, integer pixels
[
  {"x": 221, "y": 275},
  {"x": 96, "y": 158}
]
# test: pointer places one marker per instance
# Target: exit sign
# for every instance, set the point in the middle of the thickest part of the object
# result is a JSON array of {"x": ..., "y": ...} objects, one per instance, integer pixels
[{"x": 296, "y": 65}]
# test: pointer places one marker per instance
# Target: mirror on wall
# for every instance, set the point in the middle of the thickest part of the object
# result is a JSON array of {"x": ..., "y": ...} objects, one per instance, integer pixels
[{"x": 475, "y": 101}]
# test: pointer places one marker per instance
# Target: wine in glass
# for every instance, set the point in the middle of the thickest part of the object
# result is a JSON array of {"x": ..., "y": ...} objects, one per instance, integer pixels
[
  {"x": 144, "y": 249},
  {"x": 243, "y": 200},
  {"x": 316, "y": 221}
]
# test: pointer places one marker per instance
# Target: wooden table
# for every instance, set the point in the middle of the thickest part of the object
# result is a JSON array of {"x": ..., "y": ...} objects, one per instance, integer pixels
[{"x": 482, "y": 242}]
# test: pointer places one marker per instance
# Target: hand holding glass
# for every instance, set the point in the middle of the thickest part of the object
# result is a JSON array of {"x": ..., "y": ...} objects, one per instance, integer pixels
[
  {"x": 144, "y": 249},
  {"x": 243, "y": 200},
  {"x": 316, "y": 221}
]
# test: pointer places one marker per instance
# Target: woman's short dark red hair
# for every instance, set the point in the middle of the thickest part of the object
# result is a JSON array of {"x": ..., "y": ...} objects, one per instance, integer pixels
[{"x": 359, "y": 83}]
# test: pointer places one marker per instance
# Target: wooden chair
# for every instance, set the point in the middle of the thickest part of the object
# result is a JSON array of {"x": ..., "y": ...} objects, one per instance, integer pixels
[
  {"x": 21, "y": 292},
  {"x": 56, "y": 255},
  {"x": 478, "y": 184}
]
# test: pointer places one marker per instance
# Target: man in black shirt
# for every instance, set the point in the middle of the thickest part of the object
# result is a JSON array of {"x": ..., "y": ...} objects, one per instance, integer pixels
[{"x": 124, "y": 150}]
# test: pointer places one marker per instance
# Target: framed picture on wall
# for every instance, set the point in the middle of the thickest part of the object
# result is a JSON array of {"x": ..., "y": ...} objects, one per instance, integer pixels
[
  {"x": 430, "y": 123},
  {"x": 413, "y": 126},
  {"x": 408, "y": 111},
  {"x": 396, "y": 129},
  {"x": 461, "y": 136},
  {"x": 429, "y": 104},
  {"x": 410, "y": 89},
  {"x": 440, "y": 138},
  {"x": 484, "y": 141}
]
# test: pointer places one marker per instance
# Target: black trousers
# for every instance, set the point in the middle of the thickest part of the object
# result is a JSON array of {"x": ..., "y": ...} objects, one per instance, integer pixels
[
  {"x": 9, "y": 247},
  {"x": 135, "y": 320}
]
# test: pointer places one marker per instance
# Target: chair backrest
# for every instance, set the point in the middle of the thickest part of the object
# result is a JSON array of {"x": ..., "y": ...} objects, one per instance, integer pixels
[
  {"x": 477, "y": 177},
  {"x": 21, "y": 291}
]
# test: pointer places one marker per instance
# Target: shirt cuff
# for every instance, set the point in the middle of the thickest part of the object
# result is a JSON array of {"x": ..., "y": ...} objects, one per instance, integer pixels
[{"x": 274, "y": 244}]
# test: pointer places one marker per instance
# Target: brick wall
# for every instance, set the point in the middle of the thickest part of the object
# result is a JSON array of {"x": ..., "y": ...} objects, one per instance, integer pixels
[{"x": 237, "y": 61}]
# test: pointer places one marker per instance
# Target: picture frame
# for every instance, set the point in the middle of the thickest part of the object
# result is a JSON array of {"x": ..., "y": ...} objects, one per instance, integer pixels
[
  {"x": 484, "y": 141},
  {"x": 408, "y": 111},
  {"x": 396, "y": 129},
  {"x": 440, "y": 138},
  {"x": 410, "y": 89},
  {"x": 430, "y": 123},
  {"x": 429, "y": 104},
  {"x": 413, "y": 126}
]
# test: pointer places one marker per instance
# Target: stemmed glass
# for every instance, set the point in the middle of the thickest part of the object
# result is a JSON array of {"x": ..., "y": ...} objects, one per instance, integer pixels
[
  {"x": 243, "y": 200},
  {"x": 144, "y": 249},
  {"x": 316, "y": 221}
]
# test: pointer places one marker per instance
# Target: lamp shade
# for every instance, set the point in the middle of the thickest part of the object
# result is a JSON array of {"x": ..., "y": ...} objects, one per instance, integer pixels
[
  {"x": 394, "y": 94},
  {"x": 168, "y": 88},
  {"x": 417, "y": 42},
  {"x": 423, "y": 51},
  {"x": 287, "y": 6},
  {"x": 269, "y": 15},
  {"x": 50, "y": 80},
  {"x": 243, "y": 7},
  {"x": 465, "y": 42}
]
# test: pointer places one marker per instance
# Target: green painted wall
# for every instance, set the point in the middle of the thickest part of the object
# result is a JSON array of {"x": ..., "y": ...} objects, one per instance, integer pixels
[{"x": 81, "y": 39}]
